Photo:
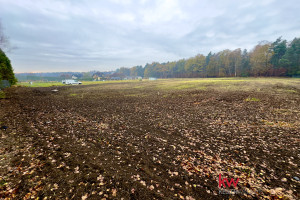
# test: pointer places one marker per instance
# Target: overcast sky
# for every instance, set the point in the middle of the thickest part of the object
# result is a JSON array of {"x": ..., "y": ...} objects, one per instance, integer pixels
[{"x": 83, "y": 35}]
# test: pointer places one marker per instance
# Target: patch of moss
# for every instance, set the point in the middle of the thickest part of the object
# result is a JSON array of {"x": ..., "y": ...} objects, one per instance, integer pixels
[
  {"x": 252, "y": 99},
  {"x": 2, "y": 95},
  {"x": 292, "y": 91}
]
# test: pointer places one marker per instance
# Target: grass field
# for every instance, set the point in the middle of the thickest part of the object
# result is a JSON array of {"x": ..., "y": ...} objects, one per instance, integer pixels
[
  {"x": 229, "y": 84},
  {"x": 164, "y": 139},
  {"x": 49, "y": 84}
]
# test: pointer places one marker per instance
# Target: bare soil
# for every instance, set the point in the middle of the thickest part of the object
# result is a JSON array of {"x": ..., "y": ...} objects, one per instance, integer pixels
[{"x": 94, "y": 142}]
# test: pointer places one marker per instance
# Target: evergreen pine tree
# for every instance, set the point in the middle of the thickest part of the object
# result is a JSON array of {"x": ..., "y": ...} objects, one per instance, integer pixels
[{"x": 6, "y": 70}]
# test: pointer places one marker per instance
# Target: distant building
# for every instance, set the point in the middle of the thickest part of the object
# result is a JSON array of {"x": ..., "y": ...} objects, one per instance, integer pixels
[
  {"x": 152, "y": 78},
  {"x": 74, "y": 77},
  {"x": 133, "y": 78},
  {"x": 115, "y": 78},
  {"x": 98, "y": 76},
  {"x": 128, "y": 78}
]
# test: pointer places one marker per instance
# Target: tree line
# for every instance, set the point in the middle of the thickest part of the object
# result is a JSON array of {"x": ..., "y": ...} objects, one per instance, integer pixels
[{"x": 278, "y": 58}]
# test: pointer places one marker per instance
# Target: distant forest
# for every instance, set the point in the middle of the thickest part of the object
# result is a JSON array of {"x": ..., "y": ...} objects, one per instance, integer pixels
[{"x": 280, "y": 58}]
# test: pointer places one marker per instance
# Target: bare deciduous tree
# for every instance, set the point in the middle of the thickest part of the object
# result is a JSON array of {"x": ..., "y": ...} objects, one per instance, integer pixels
[{"x": 4, "y": 41}]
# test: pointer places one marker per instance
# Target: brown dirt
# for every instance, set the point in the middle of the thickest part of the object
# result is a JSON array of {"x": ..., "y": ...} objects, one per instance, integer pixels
[{"x": 95, "y": 142}]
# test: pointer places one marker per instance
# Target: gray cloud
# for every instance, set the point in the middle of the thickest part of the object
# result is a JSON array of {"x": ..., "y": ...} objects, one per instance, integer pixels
[{"x": 104, "y": 35}]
